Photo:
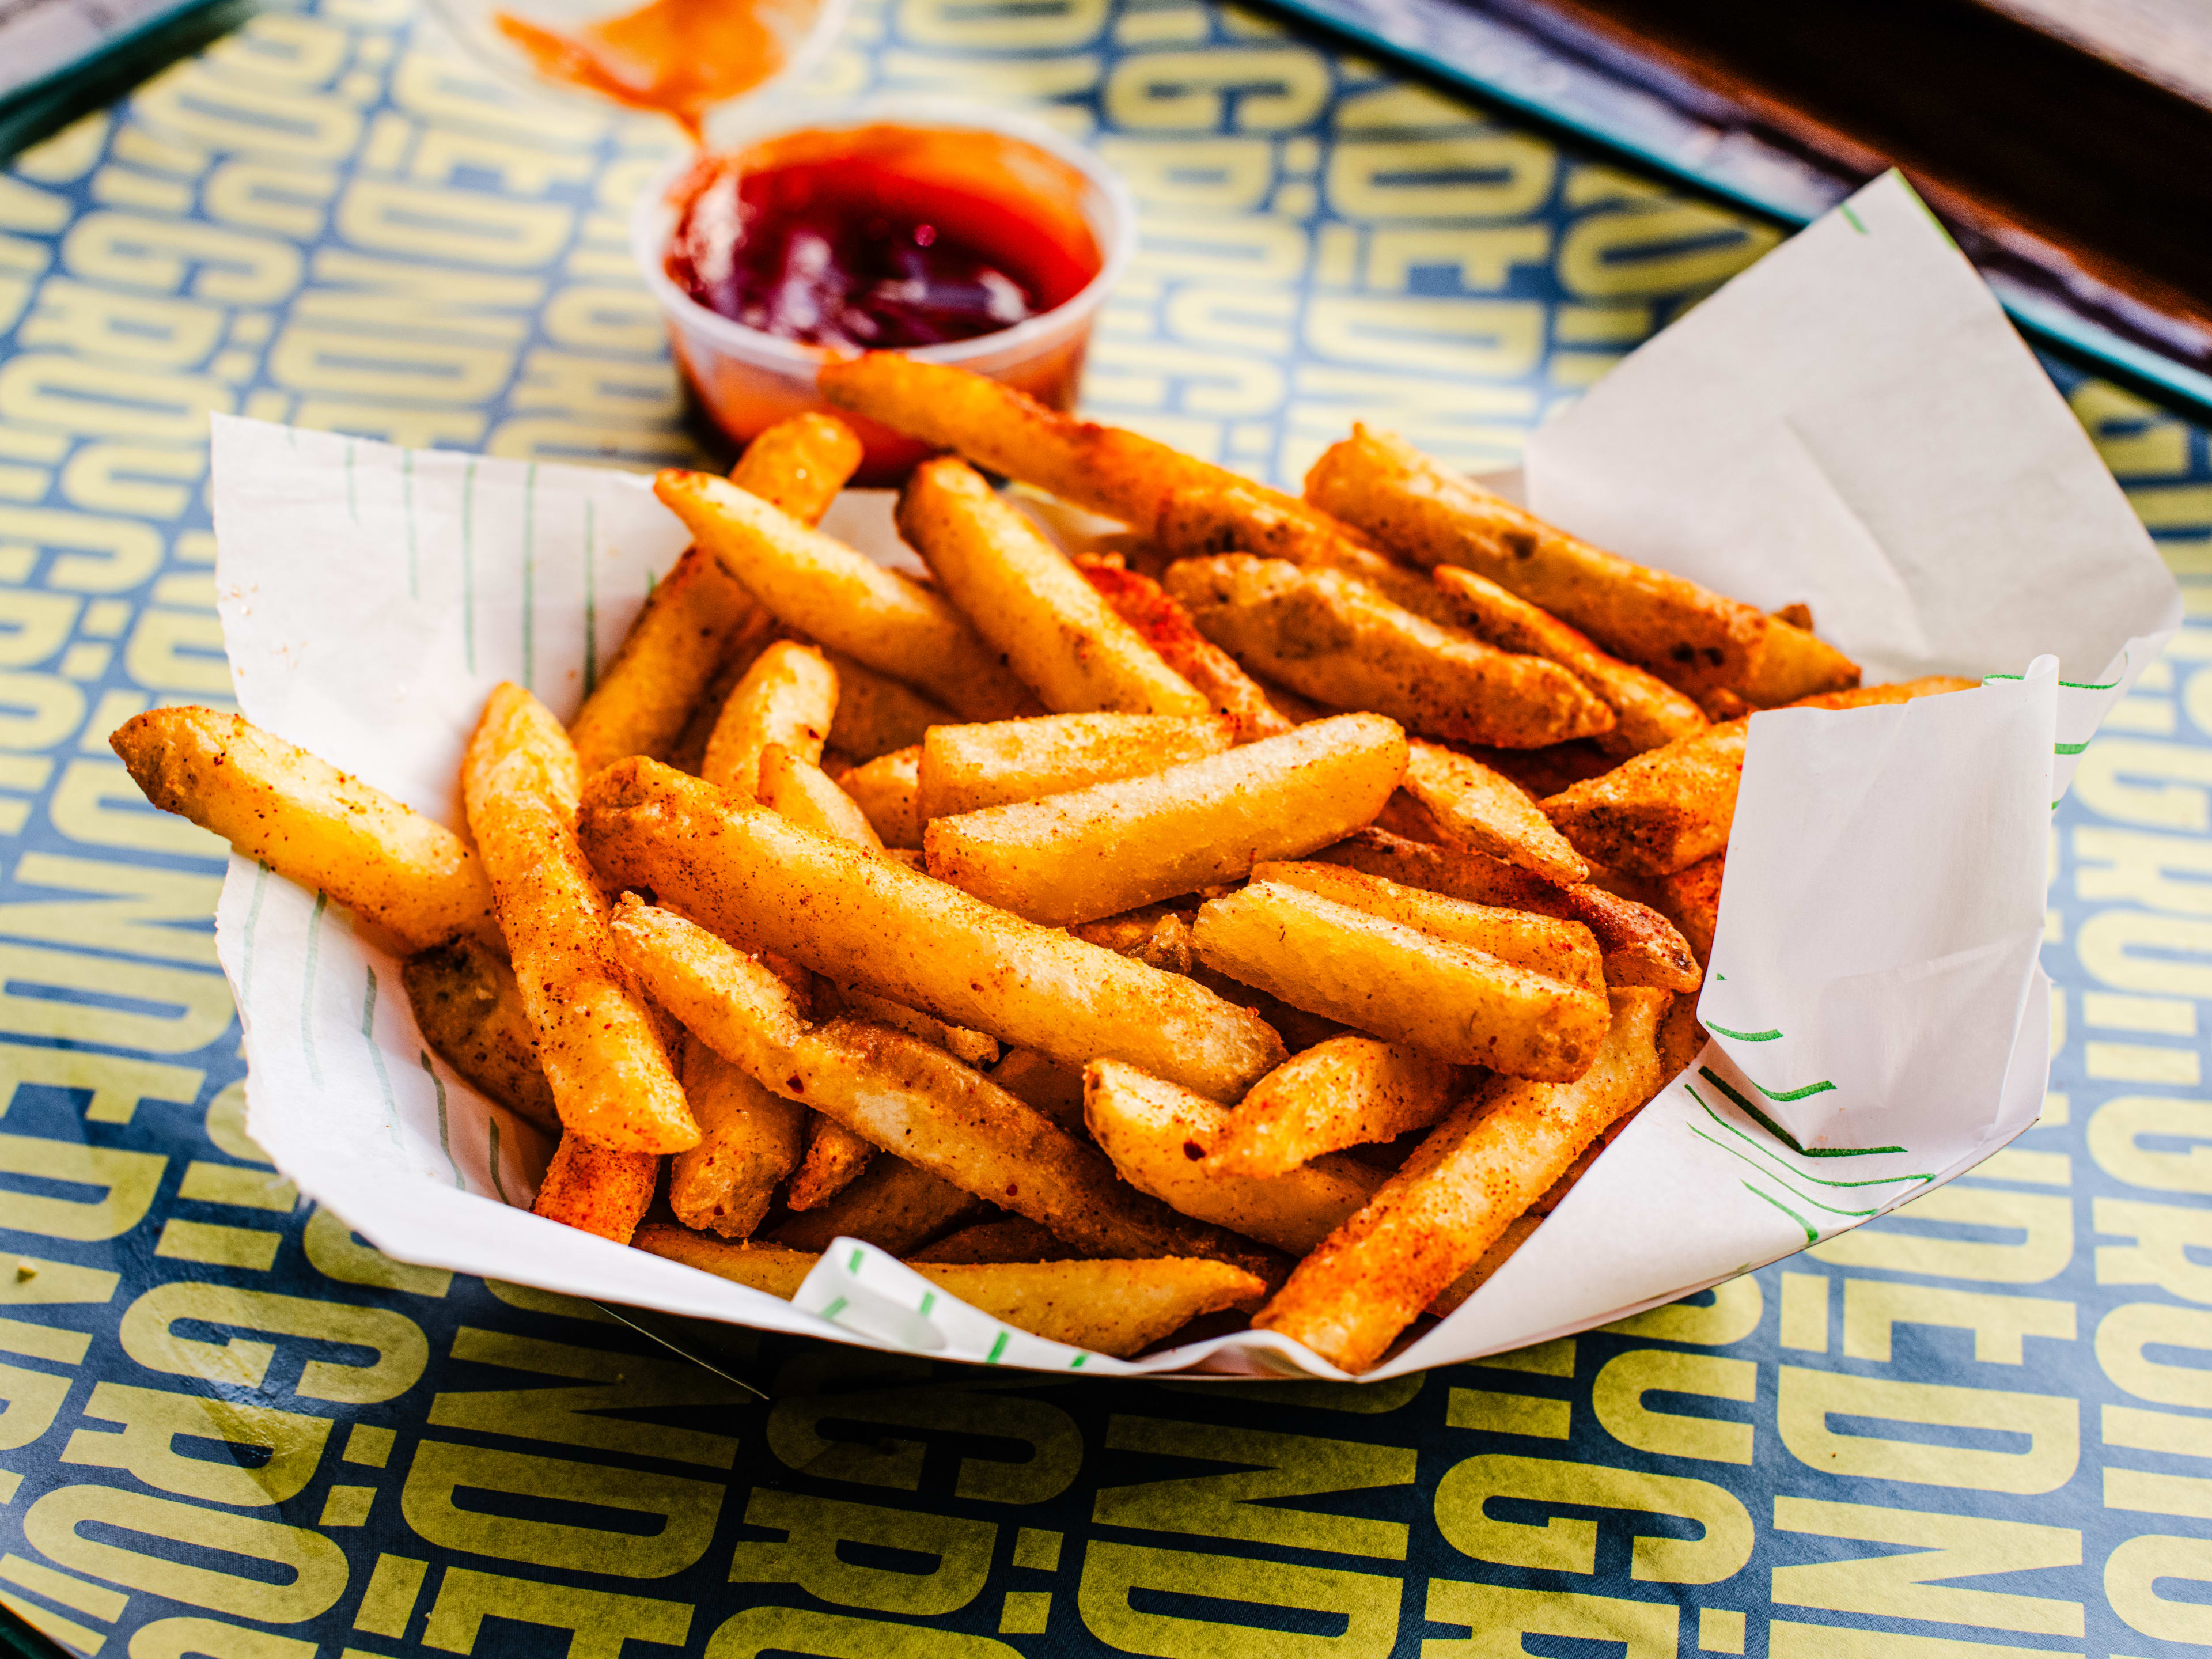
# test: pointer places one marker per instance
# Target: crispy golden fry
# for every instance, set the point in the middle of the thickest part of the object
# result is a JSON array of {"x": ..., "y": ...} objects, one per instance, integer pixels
[
  {"x": 1101, "y": 468},
  {"x": 771, "y": 885},
  {"x": 834, "y": 1157},
  {"x": 1378, "y": 975},
  {"x": 1690, "y": 899},
  {"x": 1155, "y": 1132},
  {"x": 1687, "y": 636},
  {"x": 1561, "y": 950},
  {"x": 1051, "y": 1087},
  {"x": 597, "y": 1040},
  {"x": 311, "y": 824},
  {"x": 1167, "y": 628},
  {"x": 969, "y": 1047},
  {"x": 1115, "y": 846},
  {"x": 844, "y": 601},
  {"x": 1680, "y": 1040},
  {"x": 1348, "y": 1092},
  {"x": 760, "y": 629},
  {"x": 892, "y": 1205},
  {"x": 901, "y": 1095},
  {"x": 1476, "y": 809},
  {"x": 1473, "y": 1176},
  {"x": 470, "y": 1010},
  {"x": 1517, "y": 1233},
  {"x": 596, "y": 1189},
  {"x": 1197, "y": 522},
  {"x": 642, "y": 701},
  {"x": 1024, "y": 597},
  {"x": 1871, "y": 697},
  {"x": 799, "y": 464},
  {"x": 1151, "y": 933},
  {"x": 787, "y": 697},
  {"x": 802, "y": 792},
  {"x": 1660, "y": 811},
  {"x": 1012, "y": 1239},
  {"x": 1641, "y": 945},
  {"x": 877, "y": 713},
  {"x": 749, "y": 1141},
  {"x": 770, "y": 1267},
  {"x": 887, "y": 791},
  {"x": 1335, "y": 638},
  {"x": 965, "y": 769}
]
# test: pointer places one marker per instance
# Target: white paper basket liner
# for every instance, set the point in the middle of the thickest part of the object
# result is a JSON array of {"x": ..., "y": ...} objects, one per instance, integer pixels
[{"x": 1851, "y": 422}]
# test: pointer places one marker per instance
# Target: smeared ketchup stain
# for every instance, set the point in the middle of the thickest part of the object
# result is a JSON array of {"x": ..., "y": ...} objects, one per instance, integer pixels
[{"x": 676, "y": 58}]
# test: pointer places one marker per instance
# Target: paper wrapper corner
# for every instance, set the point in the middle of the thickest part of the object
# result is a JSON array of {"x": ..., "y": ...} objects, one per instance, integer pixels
[{"x": 1851, "y": 423}]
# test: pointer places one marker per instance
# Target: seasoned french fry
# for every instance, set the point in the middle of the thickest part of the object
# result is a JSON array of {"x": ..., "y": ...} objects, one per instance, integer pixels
[
  {"x": 1024, "y": 597},
  {"x": 902, "y": 1095},
  {"x": 969, "y": 1047},
  {"x": 1690, "y": 899},
  {"x": 770, "y": 1267},
  {"x": 1101, "y": 468},
  {"x": 1154, "y": 933},
  {"x": 788, "y": 697},
  {"x": 964, "y": 769},
  {"x": 1447, "y": 1301},
  {"x": 688, "y": 753},
  {"x": 642, "y": 701},
  {"x": 1167, "y": 628},
  {"x": 877, "y": 713},
  {"x": 470, "y": 1010},
  {"x": 1474, "y": 809},
  {"x": 1560, "y": 950},
  {"x": 1641, "y": 946},
  {"x": 1378, "y": 975},
  {"x": 749, "y": 1141},
  {"x": 892, "y": 1205},
  {"x": 843, "y": 600},
  {"x": 1154, "y": 1133},
  {"x": 834, "y": 1157},
  {"x": 1012, "y": 1239},
  {"x": 887, "y": 791},
  {"x": 312, "y": 824},
  {"x": 1872, "y": 696},
  {"x": 1680, "y": 1040},
  {"x": 1335, "y": 639},
  {"x": 1110, "y": 847},
  {"x": 602, "y": 1054},
  {"x": 1052, "y": 1088},
  {"x": 1686, "y": 634},
  {"x": 1659, "y": 811},
  {"x": 596, "y": 1189},
  {"x": 1348, "y": 1092},
  {"x": 1474, "y": 1174},
  {"x": 799, "y": 464},
  {"x": 802, "y": 792}
]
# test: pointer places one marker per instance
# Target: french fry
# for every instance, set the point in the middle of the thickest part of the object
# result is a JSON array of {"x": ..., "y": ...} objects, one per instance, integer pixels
[
  {"x": 902, "y": 1095},
  {"x": 1474, "y": 1174},
  {"x": 1690, "y": 899},
  {"x": 1659, "y": 811},
  {"x": 888, "y": 792},
  {"x": 1382, "y": 977},
  {"x": 1115, "y": 846},
  {"x": 892, "y": 1205},
  {"x": 1681, "y": 1039},
  {"x": 787, "y": 697},
  {"x": 610, "y": 1075},
  {"x": 470, "y": 1010},
  {"x": 1560, "y": 950},
  {"x": 1153, "y": 933},
  {"x": 1101, "y": 468},
  {"x": 641, "y": 703},
  {"x": 1348, "y": 1092},
  {"x": 965, "y": 769},
  {"x": 1012, "y": 1239},
  {"x": 1641, "y": 945},
  {"x": 969, "y": 1047},
  {"x": 802, "y": 792},
  {"x": 1874, "y": 696},
  {"x": 771, "y": 1267},
  {"x": 749, "y": 1141},
  {"x": 1024, "y": 597},
  {"x": 834, "y": 1157},
  {"x": 1686, "y": 634},
  {"x": 688, "y": 753},
  {"x": 1051, "y": 1087},
  {"x": 1447, "y": 1301},
  {"x": 1167, "y": 628},
  {"x": 1474, "y": 809},
  {"x": 312, "y": 824},
  {"x": 843, "y": 600},
  {"x": 877, "y": 713},
  {"x": 596, "y": 1189},
  {"x": 1335, "y": 639},
  {"x": 799, "y": 464},
  {"x": 1152, "y": 1130}
]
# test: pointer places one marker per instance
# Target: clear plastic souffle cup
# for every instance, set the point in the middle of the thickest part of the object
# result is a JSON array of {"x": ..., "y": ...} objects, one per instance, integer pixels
[{"x": 748, "y": 379}]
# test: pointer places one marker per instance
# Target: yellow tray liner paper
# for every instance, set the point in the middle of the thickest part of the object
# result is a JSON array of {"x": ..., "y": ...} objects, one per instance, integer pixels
[{"x": 1851, "y": 422}]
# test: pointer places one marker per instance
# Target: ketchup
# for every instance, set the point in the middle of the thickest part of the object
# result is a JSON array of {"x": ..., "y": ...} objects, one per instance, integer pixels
[{"x": 889, "y": 243}]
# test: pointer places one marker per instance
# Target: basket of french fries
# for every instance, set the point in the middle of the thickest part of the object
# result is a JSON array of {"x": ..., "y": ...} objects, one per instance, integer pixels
[{"x": 1092, "y": 910}]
